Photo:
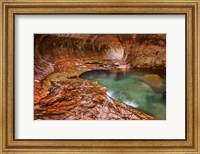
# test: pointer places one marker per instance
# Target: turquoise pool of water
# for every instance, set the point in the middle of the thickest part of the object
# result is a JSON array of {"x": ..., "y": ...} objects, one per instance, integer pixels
[{"x": 129, "y": 88}]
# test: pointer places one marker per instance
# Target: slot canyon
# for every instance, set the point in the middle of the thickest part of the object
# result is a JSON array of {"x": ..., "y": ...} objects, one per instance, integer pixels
[{"x": 63, "y": 64}]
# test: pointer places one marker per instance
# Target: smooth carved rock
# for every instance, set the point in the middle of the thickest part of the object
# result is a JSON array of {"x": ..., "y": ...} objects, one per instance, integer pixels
[
  {"x": 59, "y": 60},
  {"x": 153, "y": 80}
]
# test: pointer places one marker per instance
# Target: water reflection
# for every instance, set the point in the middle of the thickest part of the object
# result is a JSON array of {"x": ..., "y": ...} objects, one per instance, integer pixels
[{"x": 130, "y": 88}]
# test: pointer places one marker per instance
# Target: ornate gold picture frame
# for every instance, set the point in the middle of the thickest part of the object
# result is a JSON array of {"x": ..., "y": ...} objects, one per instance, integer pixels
[{"x": 10, "y": 8}]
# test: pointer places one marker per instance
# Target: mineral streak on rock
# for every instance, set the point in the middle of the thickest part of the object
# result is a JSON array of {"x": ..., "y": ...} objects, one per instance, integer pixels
[{"x": 59, "y": 59}]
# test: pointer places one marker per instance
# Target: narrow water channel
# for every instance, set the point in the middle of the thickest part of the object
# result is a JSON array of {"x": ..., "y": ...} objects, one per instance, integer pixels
[{"x": 131, "y": 88}]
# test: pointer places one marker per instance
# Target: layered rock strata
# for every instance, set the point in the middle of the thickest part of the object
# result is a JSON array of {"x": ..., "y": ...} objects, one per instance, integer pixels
[{"x": 59, "y": 60}]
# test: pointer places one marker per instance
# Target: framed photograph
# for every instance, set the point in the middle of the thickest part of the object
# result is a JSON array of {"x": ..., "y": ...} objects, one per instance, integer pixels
[{"x": 99, "y": 76}]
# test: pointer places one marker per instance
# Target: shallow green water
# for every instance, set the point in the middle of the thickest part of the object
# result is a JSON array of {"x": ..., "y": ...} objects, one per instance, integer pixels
[{"x": 129, "y": 88}]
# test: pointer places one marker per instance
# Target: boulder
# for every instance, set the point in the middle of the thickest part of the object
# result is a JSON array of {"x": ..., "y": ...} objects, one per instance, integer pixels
[{"x": 153, "y": 80}]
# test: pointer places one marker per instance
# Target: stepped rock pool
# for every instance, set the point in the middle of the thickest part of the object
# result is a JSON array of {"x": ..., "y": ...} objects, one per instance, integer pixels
[{"x": 143, "y": 90}]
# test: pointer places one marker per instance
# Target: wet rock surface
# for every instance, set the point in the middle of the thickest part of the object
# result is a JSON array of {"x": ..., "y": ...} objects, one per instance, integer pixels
[
  {"x": 154, "y": 80},
  {"x": 79, "y": 99},
  {"x": 59, "y": 60}
]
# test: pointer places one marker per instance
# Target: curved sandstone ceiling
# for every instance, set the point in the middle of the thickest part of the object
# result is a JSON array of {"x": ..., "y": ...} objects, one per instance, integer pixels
[{"x": 59, "y": 59}]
